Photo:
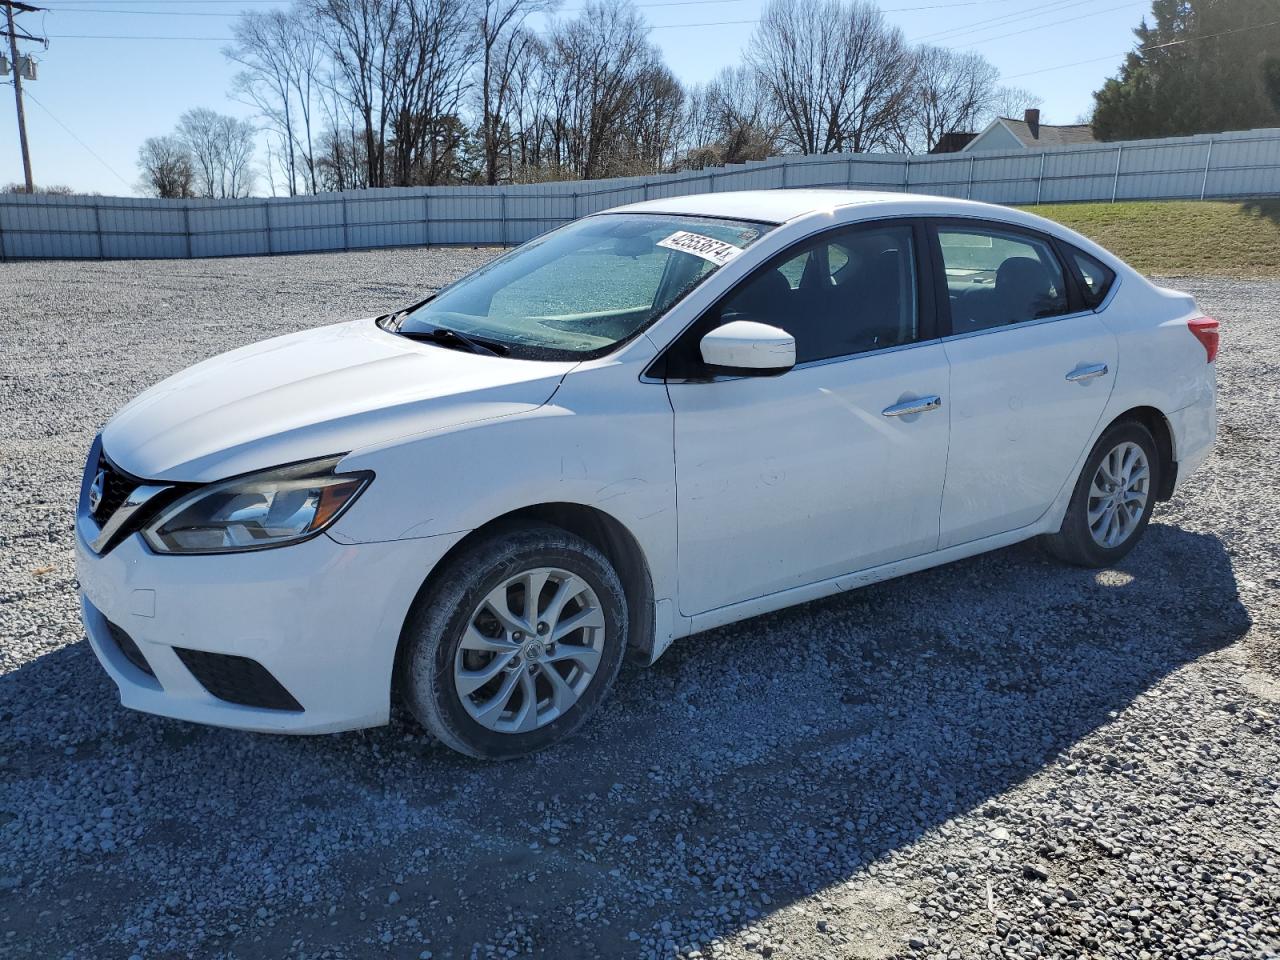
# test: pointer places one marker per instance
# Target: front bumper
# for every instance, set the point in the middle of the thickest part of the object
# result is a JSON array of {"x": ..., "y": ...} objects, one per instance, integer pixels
[{"x": 323, "y": 618}]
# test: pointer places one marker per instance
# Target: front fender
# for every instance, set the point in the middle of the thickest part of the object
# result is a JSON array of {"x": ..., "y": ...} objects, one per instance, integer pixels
[{"x": 603, "y": 441}]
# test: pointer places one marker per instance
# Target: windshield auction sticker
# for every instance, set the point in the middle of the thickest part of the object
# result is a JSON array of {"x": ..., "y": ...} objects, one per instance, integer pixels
[{"x": 708, "y": 248}]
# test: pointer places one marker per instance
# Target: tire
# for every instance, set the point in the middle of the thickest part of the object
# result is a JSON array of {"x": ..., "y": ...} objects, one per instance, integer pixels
[
  {"x": 459, "y": 632},
  {"x": 1079, "y": 541}
]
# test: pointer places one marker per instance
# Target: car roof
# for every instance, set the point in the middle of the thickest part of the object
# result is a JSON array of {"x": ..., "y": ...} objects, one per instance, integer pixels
[
  {"x": 769, "y": 206},
  {"x": 783, "y": 205}
]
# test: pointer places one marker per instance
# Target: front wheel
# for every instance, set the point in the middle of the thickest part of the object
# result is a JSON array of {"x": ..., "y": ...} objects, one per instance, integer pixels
[
  {"x": 516, "y": 643},
  {"x": 1112, "y": 501}
]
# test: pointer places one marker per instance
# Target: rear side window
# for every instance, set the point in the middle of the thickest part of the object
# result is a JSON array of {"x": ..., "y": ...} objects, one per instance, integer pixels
[
  {"x": 1095, "y": 277},
  {"x": 996, "y": 278}
]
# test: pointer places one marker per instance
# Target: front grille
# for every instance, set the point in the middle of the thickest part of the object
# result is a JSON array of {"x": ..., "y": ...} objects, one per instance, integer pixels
[
  {"x": 116, "y": 486},
  {"x": 126, "y": 645},
  {"x": 111, "y": 486},
  {"x": 237, "y": 680}
]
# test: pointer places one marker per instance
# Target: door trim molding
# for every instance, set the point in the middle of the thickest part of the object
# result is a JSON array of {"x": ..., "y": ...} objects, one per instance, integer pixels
[{"x": 843, "y": 583}]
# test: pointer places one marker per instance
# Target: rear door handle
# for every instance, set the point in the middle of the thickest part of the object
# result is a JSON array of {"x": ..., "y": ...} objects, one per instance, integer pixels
[
  {"x": 1087, "y": 371},
  {"x": 907, "y": 407}
]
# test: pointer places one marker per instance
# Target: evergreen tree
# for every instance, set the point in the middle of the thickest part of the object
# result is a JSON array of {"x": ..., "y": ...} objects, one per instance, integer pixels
[
  {"x": 1169, "y": 88},
  {"x": 1271, "y": 79}
]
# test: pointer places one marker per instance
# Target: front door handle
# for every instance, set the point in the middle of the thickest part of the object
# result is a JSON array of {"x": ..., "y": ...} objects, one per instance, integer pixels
[
  {"x": 907, "y": 407},
  {"x": 1087, "y": 371}
]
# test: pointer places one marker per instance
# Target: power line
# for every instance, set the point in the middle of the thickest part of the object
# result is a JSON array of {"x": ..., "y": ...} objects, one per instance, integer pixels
[
  {"x": 929, "y": 6},
  {"x": 141, "y": 13},
  {"x": 674, "y": 3},
  {"x": 1154, "y": 46},
  {"x": 1056, "y": 23},
  {"x": 238, "y": 3},
  {"x": 659, "y": 3},
  {"x": 977, "y": 26},
  {"x": 711, "y": 23},
  {"x": 109, "y": 36},
  {"x": 72, "y": 135},
  {"x": 1051, "y": 7}
]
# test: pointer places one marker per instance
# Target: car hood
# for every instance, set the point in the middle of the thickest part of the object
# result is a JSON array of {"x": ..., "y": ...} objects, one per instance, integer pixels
[{"x": 324, "y": 391}]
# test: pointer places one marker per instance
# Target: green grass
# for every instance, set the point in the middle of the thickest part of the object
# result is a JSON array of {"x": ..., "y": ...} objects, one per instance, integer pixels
[{"x": 1181, "y": 237}]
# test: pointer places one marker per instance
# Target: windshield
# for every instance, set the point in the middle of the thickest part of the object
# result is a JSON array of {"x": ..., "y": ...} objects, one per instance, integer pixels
[{"x": 579, "y": 291}]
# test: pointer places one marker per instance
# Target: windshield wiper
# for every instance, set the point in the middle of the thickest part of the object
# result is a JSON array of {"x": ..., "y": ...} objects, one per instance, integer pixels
[
  {"x": 446, "y": 337},
  {"x": 391, "y": 321}
]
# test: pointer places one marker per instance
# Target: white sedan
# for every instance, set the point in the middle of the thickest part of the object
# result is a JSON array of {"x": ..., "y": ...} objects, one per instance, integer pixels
[{"x": 652, "y": 421}]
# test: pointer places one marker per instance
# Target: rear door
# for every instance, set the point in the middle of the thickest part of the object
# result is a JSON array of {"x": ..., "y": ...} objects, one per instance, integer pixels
[{"x": 1031, "y": 372}]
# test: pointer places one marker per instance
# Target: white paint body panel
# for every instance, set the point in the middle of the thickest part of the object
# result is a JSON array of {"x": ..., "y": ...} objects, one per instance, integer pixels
[
  {"x": 1017, "y": 424},
  {"x": 332, "y": 389},
  {"x": 742, "y": 495},
  {"x": 778, "y": 474},
  {"x": 323, "y": 617},
  {"x": 746, "y": 345}
]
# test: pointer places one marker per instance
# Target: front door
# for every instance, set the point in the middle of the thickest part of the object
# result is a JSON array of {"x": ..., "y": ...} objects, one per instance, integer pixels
[{"x": 784, "y": 481}]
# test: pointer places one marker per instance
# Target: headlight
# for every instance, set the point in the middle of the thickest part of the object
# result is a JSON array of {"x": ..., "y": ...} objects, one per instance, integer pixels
[{"x": 260, "y": 510}]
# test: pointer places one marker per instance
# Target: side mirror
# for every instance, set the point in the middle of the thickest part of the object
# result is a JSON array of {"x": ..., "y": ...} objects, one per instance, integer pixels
[{"x": 747, "y": 348}]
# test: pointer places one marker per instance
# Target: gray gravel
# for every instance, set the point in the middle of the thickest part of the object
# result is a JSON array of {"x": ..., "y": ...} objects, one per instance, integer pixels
[{"x": 1003, "y": 758}]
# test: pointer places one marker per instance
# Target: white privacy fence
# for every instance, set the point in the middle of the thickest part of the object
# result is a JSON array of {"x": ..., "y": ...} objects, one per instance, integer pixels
[{"x": 1244, "y": 164}]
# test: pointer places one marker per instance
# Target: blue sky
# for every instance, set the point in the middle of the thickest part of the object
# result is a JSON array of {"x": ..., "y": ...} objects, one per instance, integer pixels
[{"x": 102, "y": 91}]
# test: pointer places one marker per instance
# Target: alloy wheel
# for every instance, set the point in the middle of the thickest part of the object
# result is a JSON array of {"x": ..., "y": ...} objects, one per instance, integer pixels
[
  {"x": 530, "y": 650},
  {"x": 1118, "y": 494}
]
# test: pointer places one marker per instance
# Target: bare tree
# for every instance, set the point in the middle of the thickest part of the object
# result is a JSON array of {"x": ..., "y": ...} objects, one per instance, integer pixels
[
  {"x": 1014, "y": 101},
  {"x": 48, "y": 190},
  {"x": 165, "y": 164},
  {"x": 954, "y": 91},
  {"x": 359, "y": 38},
  {"x": 730, "y": 120},
  {"x": 340, "y": 160},
  {"x": 433, "y": 53},
  {"x": 461, "y": 91},
  {"x": 655, "y": 120},
  {"x": 505, "y": 46},
  {"x": 594, "y": 65},
  {"x": 221, "y": 150},
  {"x": 402, "y": 67},
  {"x": 839, "y": 73},
  {"x": 282, "y": 57},
  {"x": 523, "y": 53}
]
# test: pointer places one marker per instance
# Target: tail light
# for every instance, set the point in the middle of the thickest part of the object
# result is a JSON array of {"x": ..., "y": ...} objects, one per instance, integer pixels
[{"x": 1205, "y": 329}]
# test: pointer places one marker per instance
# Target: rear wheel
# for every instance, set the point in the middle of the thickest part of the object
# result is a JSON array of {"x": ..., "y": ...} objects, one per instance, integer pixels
[
  {"x": 1113, "y": 499},
  {"x": 516, "y": 644}
]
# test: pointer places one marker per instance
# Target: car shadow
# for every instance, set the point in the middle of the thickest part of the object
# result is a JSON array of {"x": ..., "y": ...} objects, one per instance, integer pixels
[{"x": 751, "y": 767}]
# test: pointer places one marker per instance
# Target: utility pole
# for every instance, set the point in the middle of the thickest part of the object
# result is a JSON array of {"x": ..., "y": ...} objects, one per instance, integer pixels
[{"x": 18, "y": 66}]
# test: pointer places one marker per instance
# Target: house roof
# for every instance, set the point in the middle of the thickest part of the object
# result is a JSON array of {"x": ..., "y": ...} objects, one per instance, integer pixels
[
  {"x": 953, "y": 142},
  {"x": 1050, "y": 136}
]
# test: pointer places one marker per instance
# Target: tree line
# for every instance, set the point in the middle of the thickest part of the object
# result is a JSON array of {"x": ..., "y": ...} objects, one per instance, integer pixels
[
  {"x": 374, "y": 93},
  {"x": 1200, "y": 66}
]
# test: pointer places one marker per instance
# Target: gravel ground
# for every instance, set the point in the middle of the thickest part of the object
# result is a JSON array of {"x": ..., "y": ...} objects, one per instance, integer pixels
[{"x": 1004, "y": 757}]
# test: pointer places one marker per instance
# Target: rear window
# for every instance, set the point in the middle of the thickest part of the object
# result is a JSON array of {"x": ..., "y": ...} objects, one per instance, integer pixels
[{"x": 1095, "y": 276}]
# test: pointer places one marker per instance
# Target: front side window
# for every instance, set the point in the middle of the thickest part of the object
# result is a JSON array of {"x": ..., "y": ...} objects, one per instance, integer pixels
[
  {"x": 579, "y": 291},
  {"x": 995, "y": 278},
  {"x": 846, "y": 293}
]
